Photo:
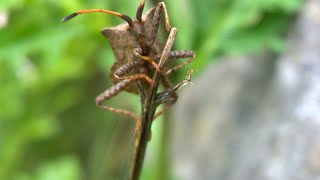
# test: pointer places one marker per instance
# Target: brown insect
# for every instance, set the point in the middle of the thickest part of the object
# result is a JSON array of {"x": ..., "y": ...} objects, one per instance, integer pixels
[{"x": 137, "y": 50}]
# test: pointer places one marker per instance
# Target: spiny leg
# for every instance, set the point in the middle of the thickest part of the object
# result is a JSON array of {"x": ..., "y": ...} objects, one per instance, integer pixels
[
  {"x": 121, "y": 72},
  {"x": 175, "y": 55},
  {"x": 181, "y": 54},
  {"x": 156, "y": 21},
  {"x": 113, "y": 91},
  {"x": 172, "y": 55}
]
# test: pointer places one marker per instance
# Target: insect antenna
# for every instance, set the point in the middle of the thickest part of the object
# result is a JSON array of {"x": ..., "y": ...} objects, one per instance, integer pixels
[
  {"x": 122, "y": 16},
  {"x": 140, "y": 10}
]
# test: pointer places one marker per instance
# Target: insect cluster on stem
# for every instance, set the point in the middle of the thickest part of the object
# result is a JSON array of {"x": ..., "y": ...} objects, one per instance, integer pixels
[{"x": 137, "y": 50}]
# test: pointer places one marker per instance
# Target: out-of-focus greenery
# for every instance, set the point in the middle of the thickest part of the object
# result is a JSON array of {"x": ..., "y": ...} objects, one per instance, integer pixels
[{"x": 50, "y": 74}]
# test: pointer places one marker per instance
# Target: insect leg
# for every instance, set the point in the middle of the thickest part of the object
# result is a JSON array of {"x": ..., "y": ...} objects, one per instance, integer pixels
[
  {"x": 113, "y": 91},
  {"x": 137, "y": 53},
  {"x": 170, "y": 92},
  {"x": 181, "y": 54},
  {"x": 121, "y": 72},
  {"x": 167, "y": 85},
  {"x": 156, "y": 21}
]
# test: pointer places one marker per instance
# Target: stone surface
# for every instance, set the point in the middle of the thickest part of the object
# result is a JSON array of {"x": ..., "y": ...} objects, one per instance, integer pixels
[{"x": 255, "y": 117}]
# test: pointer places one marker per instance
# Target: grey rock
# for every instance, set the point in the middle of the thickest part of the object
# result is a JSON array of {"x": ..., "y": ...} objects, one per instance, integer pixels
[{"x": 255, "y": 117}]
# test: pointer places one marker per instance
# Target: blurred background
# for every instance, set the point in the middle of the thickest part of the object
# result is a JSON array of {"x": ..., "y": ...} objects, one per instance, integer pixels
[{"x": 50, "y": 74}]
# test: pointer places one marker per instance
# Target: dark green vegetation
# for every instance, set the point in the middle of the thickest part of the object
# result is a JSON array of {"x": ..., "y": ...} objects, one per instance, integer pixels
[{"x": 50, "y": 74}]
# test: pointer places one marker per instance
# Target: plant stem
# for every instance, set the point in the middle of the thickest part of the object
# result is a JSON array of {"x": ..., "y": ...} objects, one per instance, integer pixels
[
  {"x": 147, "y": 114},
  {"x": 163, "y": 166}
]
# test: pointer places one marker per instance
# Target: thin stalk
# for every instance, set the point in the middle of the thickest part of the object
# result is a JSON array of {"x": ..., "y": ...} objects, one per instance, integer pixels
[{"x": 148, "y": 110}]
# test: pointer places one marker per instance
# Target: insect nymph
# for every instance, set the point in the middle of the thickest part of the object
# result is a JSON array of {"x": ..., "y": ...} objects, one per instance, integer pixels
[{"x": 137, "y": 50}]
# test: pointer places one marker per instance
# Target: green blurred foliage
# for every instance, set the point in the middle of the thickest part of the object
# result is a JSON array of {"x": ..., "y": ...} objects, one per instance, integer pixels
[{"x": 50, "y": 74}]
